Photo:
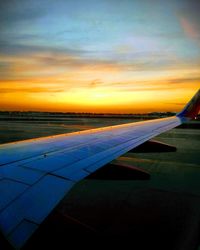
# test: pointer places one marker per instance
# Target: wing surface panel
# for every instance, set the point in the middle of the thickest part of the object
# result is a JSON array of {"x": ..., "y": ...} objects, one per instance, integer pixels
[{"x": 34, "y": 204}]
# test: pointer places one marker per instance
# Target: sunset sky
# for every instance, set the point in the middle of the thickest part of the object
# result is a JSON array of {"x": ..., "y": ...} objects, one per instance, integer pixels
[{"x": 122, "y": 56}]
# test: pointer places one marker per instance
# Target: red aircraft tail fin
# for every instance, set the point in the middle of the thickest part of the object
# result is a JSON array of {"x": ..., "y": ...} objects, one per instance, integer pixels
[{"x": 191, "y": 110}]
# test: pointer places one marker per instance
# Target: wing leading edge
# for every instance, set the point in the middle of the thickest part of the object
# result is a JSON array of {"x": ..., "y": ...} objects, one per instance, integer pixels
[{"x": 36, "y": 174}]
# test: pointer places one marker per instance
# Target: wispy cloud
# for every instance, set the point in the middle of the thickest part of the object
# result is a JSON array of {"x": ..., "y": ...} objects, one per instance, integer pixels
[
  {"x": 95, "y": 83},
  {"x": 44, "y": 63},
  {"x": 175, "y": 103},
  {"x": 16, "y": 47},
  {"x": 183, "y": 80},
  {"x": 30, "y": 90},
  {"x": 13, "y": 12}
]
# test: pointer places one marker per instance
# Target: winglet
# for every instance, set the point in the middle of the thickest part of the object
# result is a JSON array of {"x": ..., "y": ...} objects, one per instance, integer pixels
[{"x": 192, "y": 108}]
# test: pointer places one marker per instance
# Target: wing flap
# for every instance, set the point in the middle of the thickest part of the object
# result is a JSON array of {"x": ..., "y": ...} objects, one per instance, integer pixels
[
  {"x": 20, "y": 174},
  {"x": 9, "y": 190},
  {"x": 21, "y": 233},
  {"x": 34, "y": 204}
]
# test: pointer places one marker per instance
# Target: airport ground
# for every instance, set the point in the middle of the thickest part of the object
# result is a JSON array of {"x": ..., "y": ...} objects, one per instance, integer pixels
[{"x": 160, "y": 213}]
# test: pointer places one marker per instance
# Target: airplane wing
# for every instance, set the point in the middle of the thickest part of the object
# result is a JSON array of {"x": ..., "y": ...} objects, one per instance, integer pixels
[{"x": 36, "y": 174}]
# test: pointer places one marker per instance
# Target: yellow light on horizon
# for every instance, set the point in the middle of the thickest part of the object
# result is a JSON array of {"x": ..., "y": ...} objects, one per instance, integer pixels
[{"x": 94, "y": 88}]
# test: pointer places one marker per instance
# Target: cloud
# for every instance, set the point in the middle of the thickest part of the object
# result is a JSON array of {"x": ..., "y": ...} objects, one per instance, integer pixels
[
  {"x": 175, "y": 103},
  {"x": 49, "y": 63},
  {"x": 95, "y": 83},
  {"x": 163, "y": 84},
  {"x": 15, "y": 47},
  {"x": 29, "y": 60},
  {"x": 31, "y": 90},
  {"x": 146, "y": 89},
  {"x": 184, "y": 80},
  {"x": 13, "y": 12}
]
